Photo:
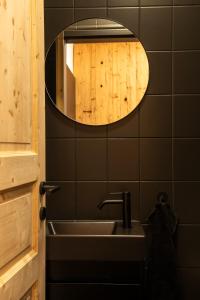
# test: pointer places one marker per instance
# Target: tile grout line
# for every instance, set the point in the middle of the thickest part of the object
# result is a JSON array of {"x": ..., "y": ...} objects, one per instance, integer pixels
[
  {"x": 76, "y": 179},
  {"x": 172, "y": 45},
  {"x": 129, "y": 181},
  {"x": 73, "y": 11},
  {"x": 75, "y": 147},
  {"x": 123, "y": 138},
  {"x": 123, "y": 7},
  {"x": 107, "y": 142},
  {"x": 107, "y": 8},
  {"x": 139, "y": 124},
  {"x": 107, "y": 161}
]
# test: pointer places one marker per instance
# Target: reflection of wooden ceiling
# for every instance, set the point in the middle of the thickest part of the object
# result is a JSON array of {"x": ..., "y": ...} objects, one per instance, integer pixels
[{"x": 111, "y": 79}]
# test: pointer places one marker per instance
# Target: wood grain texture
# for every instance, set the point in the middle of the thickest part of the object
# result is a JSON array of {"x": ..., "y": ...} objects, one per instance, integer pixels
[
  {"x": 38, "y": 142},
  {"x": 21, "y": 274},
  {"x": 70, "y": 99},
  {"x": 111, "y": 79},
  {"x": 22, "y": 159},
  {"x": 27, "y": 296},
  {"x": 17, "y": 169},
  {"x": 15, "y": 227},
  {"x": 60, "y": 71},
  {"x": 15, "y": 75},
  {"x": 9, "y": 195}
]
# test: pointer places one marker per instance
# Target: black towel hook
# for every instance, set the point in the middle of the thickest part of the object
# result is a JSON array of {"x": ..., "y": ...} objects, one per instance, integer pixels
[{"x": 162, "y": 198}]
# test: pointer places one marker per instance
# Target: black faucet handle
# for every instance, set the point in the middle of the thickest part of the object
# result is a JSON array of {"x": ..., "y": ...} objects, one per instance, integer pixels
[
  {"x": 120, "y": 193},
  {"x": 116, "y": 193}
]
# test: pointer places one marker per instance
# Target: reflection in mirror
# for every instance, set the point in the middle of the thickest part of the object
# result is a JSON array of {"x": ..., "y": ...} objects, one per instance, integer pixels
[{"x": 96, "y": 72}]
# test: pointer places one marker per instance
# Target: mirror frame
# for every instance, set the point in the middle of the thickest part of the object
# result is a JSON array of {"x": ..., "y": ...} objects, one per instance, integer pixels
[{"x": 47, "y": 91}]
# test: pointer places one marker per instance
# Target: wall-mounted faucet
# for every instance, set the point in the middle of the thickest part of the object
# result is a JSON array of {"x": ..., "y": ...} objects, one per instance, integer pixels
[{"x": 125, "y": 201}]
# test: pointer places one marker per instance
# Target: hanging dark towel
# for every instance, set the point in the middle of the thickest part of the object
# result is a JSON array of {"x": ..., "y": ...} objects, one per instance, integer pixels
[{"x": 161, "y": 258}]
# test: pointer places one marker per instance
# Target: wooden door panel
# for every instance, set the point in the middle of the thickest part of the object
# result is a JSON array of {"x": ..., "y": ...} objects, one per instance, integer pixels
[
  {"x": 19, "y": 276},
  {"x": 28, "y": 296},
  {"x": 15, "y": 92},
  {"x": 22, "y": 235},
  {"x": 17, "y": 169},
  {"x": 15, "y": 227}
]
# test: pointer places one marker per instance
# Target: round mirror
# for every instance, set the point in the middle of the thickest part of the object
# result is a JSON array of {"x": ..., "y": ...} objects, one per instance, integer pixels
[{"x": 97, "y": 72}]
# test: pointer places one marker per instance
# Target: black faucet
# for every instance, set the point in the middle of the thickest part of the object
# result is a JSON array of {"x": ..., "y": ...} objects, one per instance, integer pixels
[{"x": 126, "y": 206}]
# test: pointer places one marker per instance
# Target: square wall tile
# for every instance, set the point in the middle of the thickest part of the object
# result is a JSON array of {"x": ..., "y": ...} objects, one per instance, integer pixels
[
  {"x": 58, "y": 3},
  {"x": 56, "y": 20},
  {"x": 189, "y": 2},
  {"x": 90, "y": 3},
  {"x": 60, "y": 158},
  {"x": 187, "y": 202},
  {"x": 186, "y": 116},
  {"x": 155, "y": 159},
  {"x": 89, "y": 195},
  {"x": 189, "y": 283},
  {"x": 90, "y": 131},
  {"x": 148, "y": 197},
  {"x": 160, "y": 77},
  {"x": 57, "y": 125},
  {"x": 186, "y": 159},
  {"x": 128, "y": 17},
  {"x": 91, "y": 159},
  {"x": 123, "y": 159},
  {"x": 127, "y": 127},
  {"x": 187, "y": 18},
  {"x": 156, "y": 28},
  {"x": 156, "y": 116},
  {"x": 156, "y": 2},
  {"x": 123, "y": 3},
  {"x": 124, "y": 186},
  {"x": 187, "y": 72},
  {"x": 61, "y": 204},
  {"x": 188, "y": 246},
  {"x": 87, "y": 13}
]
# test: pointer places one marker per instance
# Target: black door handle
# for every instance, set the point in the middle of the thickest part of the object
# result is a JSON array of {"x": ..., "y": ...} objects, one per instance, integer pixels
[
  {"x": 43, "y": 213},
  {"x": 47, "y": 188}
]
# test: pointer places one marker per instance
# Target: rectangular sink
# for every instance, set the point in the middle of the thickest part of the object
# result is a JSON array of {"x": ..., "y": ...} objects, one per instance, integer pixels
[
  {"x": 81, "y": 228},
  {"x": 95, "y": 241}
]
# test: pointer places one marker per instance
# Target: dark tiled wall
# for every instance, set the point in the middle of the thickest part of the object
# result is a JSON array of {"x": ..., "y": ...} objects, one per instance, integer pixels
[{"x": 157, "y": 147}]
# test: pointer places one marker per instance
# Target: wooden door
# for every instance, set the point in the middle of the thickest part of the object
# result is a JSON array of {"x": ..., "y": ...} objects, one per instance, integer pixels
[{"x": 22, "y": 258}]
